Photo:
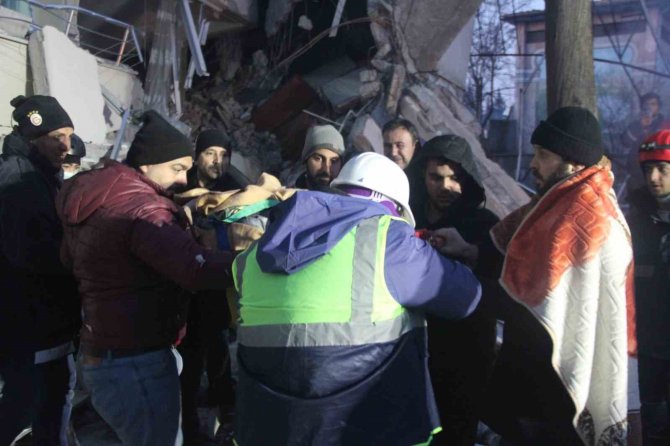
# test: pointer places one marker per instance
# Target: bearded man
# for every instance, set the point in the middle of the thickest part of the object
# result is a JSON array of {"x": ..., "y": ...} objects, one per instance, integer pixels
[{"x": 561, "y": 374}]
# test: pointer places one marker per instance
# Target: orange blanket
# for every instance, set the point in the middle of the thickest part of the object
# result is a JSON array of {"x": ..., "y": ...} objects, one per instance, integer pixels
[{"x": 568, "y": 259}]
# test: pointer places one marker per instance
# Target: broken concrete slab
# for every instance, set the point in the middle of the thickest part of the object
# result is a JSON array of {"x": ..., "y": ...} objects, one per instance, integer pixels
[
  {"x": 430, "y": 26},
  {"x": 13, "y": 77},
  {"x": 432, "y": 117},
  {"x": 368, "y": 75},
  {"x": 345, "y": 92},
  {"x": 329, "y": 71},
  {"x": 383, "y": 51},
  {"x": 124, "y": 86},
  {"x": 366, "y": 135},
  {"x": 229, "y": 16},
  {"x": 453, "y": 64},
  {"x": 451, "y": 97},
  {"x": 381, "y": 65},
  {"x": 369, "y": 89},
  {"x": 70, "y": 74},
  {"x": 13, "y": 23},
  {"x": 395, "y": 89}
]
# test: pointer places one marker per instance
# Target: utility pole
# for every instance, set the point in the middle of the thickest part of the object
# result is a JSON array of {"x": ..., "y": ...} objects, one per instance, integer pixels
[{"x": 569, "y": 51}]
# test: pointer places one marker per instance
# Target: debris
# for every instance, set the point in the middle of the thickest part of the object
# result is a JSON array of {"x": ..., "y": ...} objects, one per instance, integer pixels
[
  {"x": 381, "y": 65},
  {"x": 344, "y": 92},
  {"x": 70, "y": 74},
  {"x": 285, "y": 103},
  {"x": 395, "y": 89},
  {"x": 366, "y": 136},
  {"x": 305, "y": 23},
  {"x": 370, "y": 89},
  {"x": 382, "y": 52},
  {"x": 429, "y": 27},
  {"x": 337, "y": 18},
  {"x": 368, "y": 75},
  {"x": 277, "y": 13}
]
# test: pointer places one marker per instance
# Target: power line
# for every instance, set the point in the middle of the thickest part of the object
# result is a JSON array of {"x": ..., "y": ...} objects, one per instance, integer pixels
[{"x": 595, "y": 59}]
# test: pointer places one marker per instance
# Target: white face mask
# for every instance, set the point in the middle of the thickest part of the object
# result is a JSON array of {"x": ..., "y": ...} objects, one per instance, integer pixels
[{"x": 68, "y": 175}]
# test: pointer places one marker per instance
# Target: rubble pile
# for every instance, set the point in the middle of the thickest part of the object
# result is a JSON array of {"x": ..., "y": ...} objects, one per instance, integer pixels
[
  {"x": 410, "y": 52},
  {"x": 267, "y": 110},
  {"x": 211, "y": 104}
]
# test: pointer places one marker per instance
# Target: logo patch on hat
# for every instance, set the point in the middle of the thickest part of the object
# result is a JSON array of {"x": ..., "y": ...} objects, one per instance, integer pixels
[{"x": 35, "y": 118}]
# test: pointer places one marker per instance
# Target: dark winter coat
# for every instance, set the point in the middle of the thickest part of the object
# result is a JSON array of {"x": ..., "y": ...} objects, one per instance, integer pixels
[
  {"x": 126, "y": 242},
  {"x": 39, "y": 305},
  {"x": 461, "y": 351},
  {"x": 651, "y": 249},
  {"x": 224, "y": 183}
]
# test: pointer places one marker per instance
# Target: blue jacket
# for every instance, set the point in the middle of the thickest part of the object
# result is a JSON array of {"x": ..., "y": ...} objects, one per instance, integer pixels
[{"x": 378, "y": 394}]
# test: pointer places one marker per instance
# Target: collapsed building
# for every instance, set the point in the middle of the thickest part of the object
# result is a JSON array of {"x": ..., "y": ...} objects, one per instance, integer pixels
[{"x": 262, "y": 70}]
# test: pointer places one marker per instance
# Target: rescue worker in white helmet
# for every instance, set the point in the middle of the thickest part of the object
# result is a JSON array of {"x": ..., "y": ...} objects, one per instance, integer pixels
[{"x": 332, "y": 338}]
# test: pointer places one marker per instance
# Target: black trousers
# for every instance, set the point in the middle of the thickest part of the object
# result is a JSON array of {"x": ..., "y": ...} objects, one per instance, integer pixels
[
  {"x": 38, "y": 395},
  {"x": 654, "y": 379},
  {"x": 461, "y": 360},
  {"x": 205, "y": 347}
]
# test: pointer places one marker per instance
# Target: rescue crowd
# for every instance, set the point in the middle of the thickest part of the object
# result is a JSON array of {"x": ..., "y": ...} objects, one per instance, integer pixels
[{"x": 365, "y": 298}]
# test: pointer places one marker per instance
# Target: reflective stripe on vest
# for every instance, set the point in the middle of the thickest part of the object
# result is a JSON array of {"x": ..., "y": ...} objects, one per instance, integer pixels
[{"x": 341, "y": 299}]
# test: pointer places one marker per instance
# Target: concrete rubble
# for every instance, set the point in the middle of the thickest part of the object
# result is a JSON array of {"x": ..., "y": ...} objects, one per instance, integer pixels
[
  {"x": 212, "y": 105},
  {"x": 70, "y": 74},
  {"x": 366, "y": 135},
  {"x": 417, "y": 71}
]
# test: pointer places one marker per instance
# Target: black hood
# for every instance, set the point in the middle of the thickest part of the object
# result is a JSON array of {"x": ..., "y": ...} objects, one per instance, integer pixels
[{"x": 457, "y": 150}]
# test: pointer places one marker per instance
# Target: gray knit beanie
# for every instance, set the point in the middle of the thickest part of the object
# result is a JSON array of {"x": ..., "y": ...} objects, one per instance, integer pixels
[{"x": 323, "y": 137}]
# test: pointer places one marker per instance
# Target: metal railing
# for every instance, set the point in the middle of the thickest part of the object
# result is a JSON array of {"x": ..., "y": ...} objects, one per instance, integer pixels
[{"x": 129, "y": 34}]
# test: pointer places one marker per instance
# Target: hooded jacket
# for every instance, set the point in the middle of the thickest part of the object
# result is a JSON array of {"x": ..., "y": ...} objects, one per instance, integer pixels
[
  {"x": 369, "y": 394},
  {"x": 39, "y": 305},
  {"x": 651, "y": 250},
  {"x": 467, "y": 213},
  {"x": 462, "y": 352},
  {"x": 125, "y": 241}
]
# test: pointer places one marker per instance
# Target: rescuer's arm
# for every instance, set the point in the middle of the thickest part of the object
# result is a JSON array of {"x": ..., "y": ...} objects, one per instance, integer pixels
[{"x": 420, "y": 278}]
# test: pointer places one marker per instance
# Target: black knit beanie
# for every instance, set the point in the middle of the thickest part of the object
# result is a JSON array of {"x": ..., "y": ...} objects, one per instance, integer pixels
[
  {"x": 38, "y": 115},
  {"x": 212, "y": 137},
  {"x": 573, "y": 133},
  {"x": 157, "y": 142}
]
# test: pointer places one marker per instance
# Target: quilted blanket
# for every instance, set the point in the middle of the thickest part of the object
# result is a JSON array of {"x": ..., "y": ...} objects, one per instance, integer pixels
[{"x": 568, "y": 259}]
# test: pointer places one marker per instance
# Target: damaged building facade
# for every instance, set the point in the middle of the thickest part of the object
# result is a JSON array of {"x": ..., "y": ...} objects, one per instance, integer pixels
[{"x": 262, "y": 70}]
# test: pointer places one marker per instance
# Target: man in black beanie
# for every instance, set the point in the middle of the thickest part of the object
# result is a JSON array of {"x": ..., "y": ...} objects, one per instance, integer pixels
[
  {"x": 565, "y": 262},
  {"x": 39, "y": 306},
  {"x": 131, "y": 250},
  {"x": 213, "y": 151},
  {"x": 205, "y": 341},
  {"x": 565, "y": 143}
]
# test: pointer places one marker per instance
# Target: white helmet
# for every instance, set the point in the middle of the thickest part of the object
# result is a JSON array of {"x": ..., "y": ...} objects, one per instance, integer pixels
[{"x": 376, "y": 172}]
